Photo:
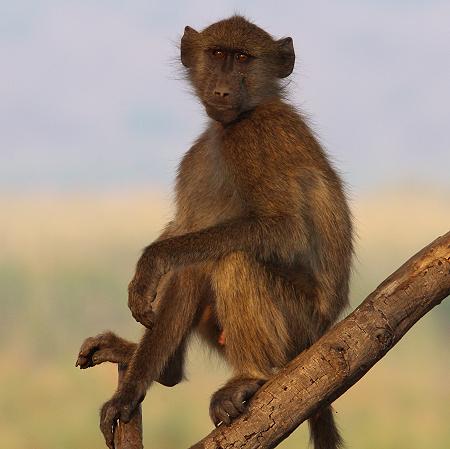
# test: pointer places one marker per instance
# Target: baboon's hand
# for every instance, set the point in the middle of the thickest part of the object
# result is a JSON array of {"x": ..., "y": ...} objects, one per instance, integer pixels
[
  {"x": 121, "y": 406},
  {"x": 140, "y": 302},
  {"x": 143, "y": 287}
]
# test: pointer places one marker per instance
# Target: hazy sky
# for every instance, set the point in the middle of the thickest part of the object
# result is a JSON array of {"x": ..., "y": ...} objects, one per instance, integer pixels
[{"x": 90, "y": 95}]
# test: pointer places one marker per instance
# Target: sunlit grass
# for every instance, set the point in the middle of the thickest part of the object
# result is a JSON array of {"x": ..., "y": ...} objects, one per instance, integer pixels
[{"x": 65, "y": 262}]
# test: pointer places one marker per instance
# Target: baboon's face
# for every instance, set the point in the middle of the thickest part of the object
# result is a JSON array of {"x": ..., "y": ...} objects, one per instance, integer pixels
[{"x": 234, "y": 66}]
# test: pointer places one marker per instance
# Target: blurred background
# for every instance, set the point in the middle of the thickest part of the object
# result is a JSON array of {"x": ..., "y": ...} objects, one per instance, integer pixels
[{"x": 94, "y": 118}]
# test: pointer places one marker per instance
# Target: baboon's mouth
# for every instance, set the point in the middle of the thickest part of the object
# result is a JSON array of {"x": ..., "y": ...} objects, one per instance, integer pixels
[
  {"x": 221, "y": 106},
  {"x": 224, "y": 113}
]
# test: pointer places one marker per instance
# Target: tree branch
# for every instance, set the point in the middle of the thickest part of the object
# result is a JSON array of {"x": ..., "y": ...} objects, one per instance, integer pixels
[
  {"x": 128, "y": 435},
  {"x": 334, "y": 363},
  {"x": 342, "y": 356}
]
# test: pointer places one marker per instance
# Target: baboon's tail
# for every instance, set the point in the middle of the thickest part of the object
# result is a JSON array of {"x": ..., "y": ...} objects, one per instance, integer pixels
[{"x": 323, "y": 430}]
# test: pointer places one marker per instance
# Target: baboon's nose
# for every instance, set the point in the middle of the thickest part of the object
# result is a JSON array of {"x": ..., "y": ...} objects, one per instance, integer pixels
[{"x": 221, "y": 91}]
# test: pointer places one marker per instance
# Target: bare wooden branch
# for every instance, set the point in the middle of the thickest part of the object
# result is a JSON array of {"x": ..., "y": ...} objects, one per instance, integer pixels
[
  {"x": 128, "y": 435},
  {"x": 334, "y": 363},
  {"x": 341, "y": 357}
]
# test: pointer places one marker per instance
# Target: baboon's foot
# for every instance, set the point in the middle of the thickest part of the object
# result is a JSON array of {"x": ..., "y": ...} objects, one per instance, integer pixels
[
  {"x": 105, "y": 347},
  {"x": 231, "y": 400}
]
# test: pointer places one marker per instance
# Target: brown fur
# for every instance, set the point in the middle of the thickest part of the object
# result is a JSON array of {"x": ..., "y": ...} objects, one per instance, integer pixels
[{"x": 261, "y": 238}]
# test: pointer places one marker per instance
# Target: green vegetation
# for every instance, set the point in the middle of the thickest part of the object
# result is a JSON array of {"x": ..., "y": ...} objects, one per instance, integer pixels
[{"x": 64, "y": 267}]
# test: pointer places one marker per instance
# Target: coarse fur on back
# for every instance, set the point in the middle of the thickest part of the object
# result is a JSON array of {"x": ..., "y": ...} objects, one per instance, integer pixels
[{"x": 257, "y": 257}]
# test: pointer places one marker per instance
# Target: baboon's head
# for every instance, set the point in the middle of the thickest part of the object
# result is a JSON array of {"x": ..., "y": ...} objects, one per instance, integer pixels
[{"x": 234, "y": 65}]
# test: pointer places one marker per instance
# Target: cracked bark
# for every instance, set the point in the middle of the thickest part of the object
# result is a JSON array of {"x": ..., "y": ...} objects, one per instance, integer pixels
[
  {"x": 334, "y": 363},
  {"x": 343, "y": 355}
]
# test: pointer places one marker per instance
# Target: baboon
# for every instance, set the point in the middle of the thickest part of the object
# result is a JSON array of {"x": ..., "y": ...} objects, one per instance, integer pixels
[{"x": 257, "y": 257}]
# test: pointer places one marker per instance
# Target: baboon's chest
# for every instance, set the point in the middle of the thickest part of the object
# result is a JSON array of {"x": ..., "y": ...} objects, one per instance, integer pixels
[{"x": 209, "y": 195}]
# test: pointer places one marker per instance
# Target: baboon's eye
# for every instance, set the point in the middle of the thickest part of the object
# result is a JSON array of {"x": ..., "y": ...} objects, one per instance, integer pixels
[
  {"x": 241, "y": 57},
  {"x": 218, "y": 54}
]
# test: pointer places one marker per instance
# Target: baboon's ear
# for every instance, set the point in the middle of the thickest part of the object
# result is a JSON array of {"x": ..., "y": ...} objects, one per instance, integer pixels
[
  {"x": 285, "y": 56},
  {"x": 188, "y": 42}
]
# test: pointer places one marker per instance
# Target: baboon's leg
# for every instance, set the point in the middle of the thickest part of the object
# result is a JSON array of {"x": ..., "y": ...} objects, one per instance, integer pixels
[{"x": 249, "y": 303}]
